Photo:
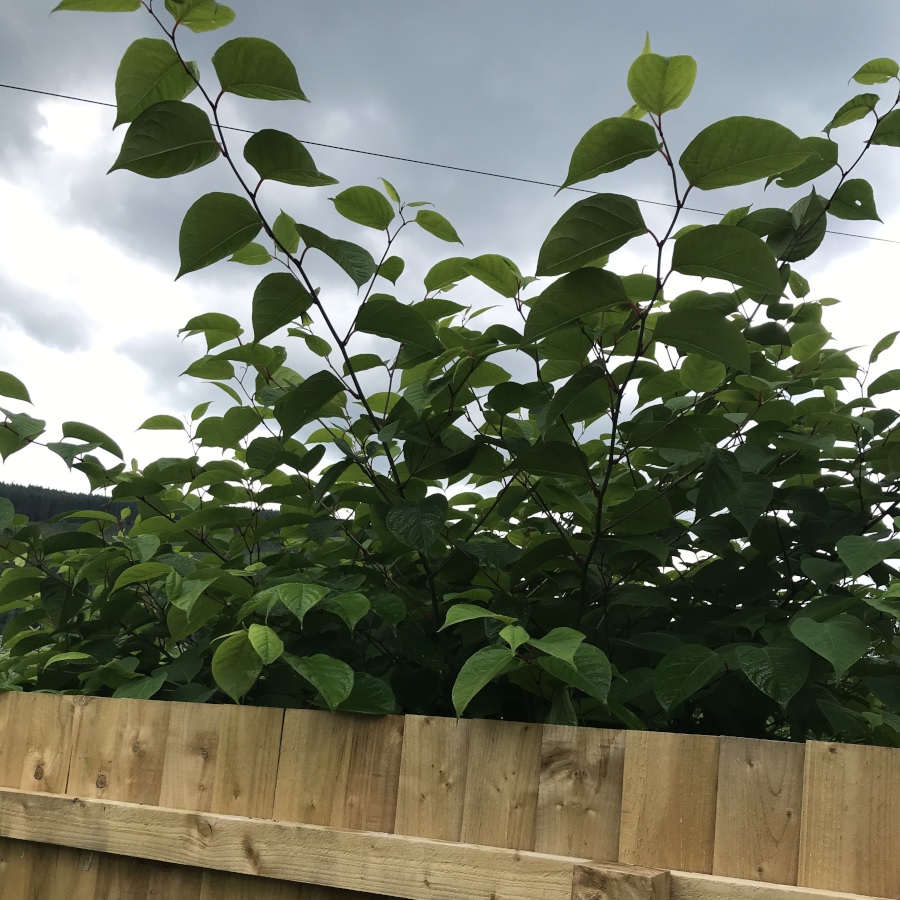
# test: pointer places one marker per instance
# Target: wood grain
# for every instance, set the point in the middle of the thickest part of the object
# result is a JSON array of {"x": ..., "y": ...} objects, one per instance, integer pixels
[
  {"x": 580, "y": 792},
  {"x": 693, "y": 886},
  {"x": 758, "y": 810},
  {"x": 613, "y": 882},
  {"x": 669, "y": 800},
  {"x": 851, "y": 819}
]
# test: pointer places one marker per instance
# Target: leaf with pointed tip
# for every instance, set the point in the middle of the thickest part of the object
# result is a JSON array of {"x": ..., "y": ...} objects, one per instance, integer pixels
[
  {"x": 842, "y": 640},
  {"x": 365, "y": 206},
  {"x": 853, "y": 110},
  {"x": 278, "y": 156},
  {"x": 477, "y": 672},
  {"x": 252, "y": 254},
  {"x": 854, "y": 200},
  {"x": 683, "y": 672},
  {"x": 877, "y": 71},
  {"x": 383, "y": 316},
  {"x": 266, "y": 643},
  {"x": 97, "y": 5},
  {"x": 823, "y": 157},
  {"x": 590, "y": 672},
  {"x": 302, "y": 403},
  {"x": 332, "y": 678},
  {"x": 256, "y": 68},
  {"x": 418, "y": 523},
  {"x": 356, "y": 261},
  {"x": 10, "y": 386},
  {"x": 778, "y": 670},
  {"x": 162, "y": 423},
  {"x": 497, "y": 272},
  {"x": 200, "y": 15},
  {"x": 661, "y": 83},
  {"x": 859, "y": 553},
  {"x": 887, "y": 131},
  {"x": 215, "y": 226},
  {"x": 705, "y": 332},
  {"x": 610, "y": 145},
  {"x": 443, "y": 275},
  {"x": 434, "y": 223}
]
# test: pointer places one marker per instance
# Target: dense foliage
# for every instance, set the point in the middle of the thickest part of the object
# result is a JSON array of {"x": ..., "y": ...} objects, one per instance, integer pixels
[{"x": 681, "y": 518}]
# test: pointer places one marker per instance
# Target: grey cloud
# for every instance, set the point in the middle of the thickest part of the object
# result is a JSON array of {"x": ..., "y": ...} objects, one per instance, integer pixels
[{"x": 45, "y": 319}]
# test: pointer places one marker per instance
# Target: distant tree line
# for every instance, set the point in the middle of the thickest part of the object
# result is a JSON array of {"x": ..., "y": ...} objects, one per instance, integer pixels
[{"x": 41, "y": 504}]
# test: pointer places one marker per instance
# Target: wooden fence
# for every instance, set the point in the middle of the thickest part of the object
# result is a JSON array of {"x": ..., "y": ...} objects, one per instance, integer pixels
[{"x": 525, "y": 807}]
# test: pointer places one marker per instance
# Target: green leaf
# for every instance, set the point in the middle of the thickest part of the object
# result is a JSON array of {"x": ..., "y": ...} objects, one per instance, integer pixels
[
  {"x": 266, "y": 643},
  {"x": 660, "y": 83},
  {"x": 353, "y": 259},
  {"x": 561, "y": 643},
  {"x": 592, "y": 228},
  {"x": 350, "y": 606},
  {"x": 514, "y": 635},
  {"x": 150, "y": 72},
  {"x": 148, "y": 571},
  {"x": 285, "y": 231},
  {"x": 887, "y": 131},
  {"x": 778, "y": 670},
  {"x": 278, "y": 156},
  {"x": 278, "y": 300},
  {"x": 10, "y": 386},
  {"x": 681, "y": 673},
  {"x": 385, "y": 317},
  {"x": 170, "y": 138},
  {"x": 189, "y": 593},
  {"x": 720, "y": 482},
  {"x": 854, "y": 200},
  {"x": 700, "y": 374},
  {"x": 215, "y": 226},
  {"x": 434, "y": 223},
  {"x": 365, "y": 206},
  {"x": 236, "y": 665},
  {"x": 210, "y": 367},
  {"x": 200, "y": 15},
  {"x": 739, "y": 150},
  {"x": 446, "y": 273},
  {"x": 889, "y": 381},
  {"x": 392, "y": 268},
  {"x": 255, "y": 68},
  {"x": 705, "y": 332},
  {"x": 332, "y": 678},
  {"x": 140, "y": 688},
  {"x": 302, "y": 403},
  {"x": 465, "y": 612},
  {"x": 730, "y": 253},
  {"x": 477, "y": 672},
  {"x": 80, "y": 432},
  {"x": 418, "y": 523},
  {"x": 591, "y": 673},
  {"x": 823, "y": 156},
  {"x": 853, "y": 110},
  {"x": 877, "y": 71},
  {"x": 610, "y": 145},
  {"x": 842, "y": 640},
  {"x": 586, "y": 395},
  {"x": 859, "y": 553},
  {"x": 552, "y": 458},
  {"x": 300, "y": 598},
  {"x": 390, "y": 190},
  {"x": 752, "y": 500},
  {"x": 497, "y": 272},
  {"x": 98, "y": 5},
  {"x": 252, "y": 254},
  {"x": 370, "y": 696},
  {"x": 884, "y": 344}
]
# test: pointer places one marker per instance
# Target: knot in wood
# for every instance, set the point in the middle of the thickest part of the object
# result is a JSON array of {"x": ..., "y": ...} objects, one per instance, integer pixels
[
  {"x": 101, "y": 781},
  {"x": 38, "y": 771}
]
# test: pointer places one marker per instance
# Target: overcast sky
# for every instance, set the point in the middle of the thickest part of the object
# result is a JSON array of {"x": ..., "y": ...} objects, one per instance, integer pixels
[{"x": 89, "y": 310}]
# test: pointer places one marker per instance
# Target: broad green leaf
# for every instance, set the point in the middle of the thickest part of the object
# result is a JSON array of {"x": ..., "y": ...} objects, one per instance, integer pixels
[
  {"x": 660, "y": 83},
  {"x": 706, "y": 333},
  {"x": 252, "y": 254},
  {"x": 214, "y": 227},
  {"x": 561, "y": 643},
  {"x": 7, "y": 513},
  {"x": 256, "y": 68},
  {"x": 497, "y": 272},
  {"x": 392, "y": 268},
  {"x": 300, "y": 598},
  {"x": 365, "y": 206},
  {"x": 266, "y": 643},
  {"x": 610, "y": 145},
  {"x": 278, "y": 156},
  {"x": 823, "y": 156},
  {"x": 434, "y": 223},
  {"x": 884, "y": 344},
  {"x": 170, "y": 138},
  {"x": 465, "y": 612},
  {"x": 552, "y": 458},
  {"x": 228, "y": 430},
  {"x": 592, "y": 228},
  {"x": 644, "y": 512},
  {"x": 591, "y": 673},
  {"x": 889, "y": 381},
  {"x": 779, "y": 670},
  {"x": 332, "y": 678},
  {"x": 739, "y": 150},
  {"x": 887, "y": 131},
  {"x": 150, "y": 71},
  {"x": 477, "y": 672},
  {"x": 302, "y": 403},
  {"x": 859, "y": 553},
  {"x": 278, "y": 300},
  {"x": 514, "y": 635},
  {"x": 842, "y": 640},
  {"x": 683, "y": 672},
  {"x": 140, "y": 688},
  {"x": 356, "y": 261},
  {"x": 236, "y": 665},
  {"x": 390, "y": 190},
  {"x": 200, "y": 15},
  {"x": 80, "y": 432},
  {"x": 701, "y": 374},
  {"x": 720, "y": 481},
  {"x": 751, "y": 500},
  {"x": 189, "y": 592},
  {"x": 10, "y": 386},
  {"x": 70, "y": 656},
  {"x": 877, "y": 71},
  {"x": 574, "y": 298},
  {"x": 730, "y": 253},
  {"x": 418, "y": 523},
  {"x": 285, "y": 231},
  {"x": 350, "y": 606},
  {"x": 586, "y": 395},
  {"x": 385, "y": 317},
  {"x": 210, "y": 367},
  {"x": 98, "y": 5},
  {"x": 148, "y": 571},
  {"x": 446, "y": 273},
  {"x": 854, "y": 199},
  {"x": 853, "y": 110},
  {"x": 370, "y": 696}
]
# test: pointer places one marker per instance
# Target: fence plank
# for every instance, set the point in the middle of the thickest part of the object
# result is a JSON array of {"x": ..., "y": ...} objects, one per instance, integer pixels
[
  {"x": 619, "y": 882},
  {"x": 669, "y": 800},
  {"x": 431, "y": 793},
  {"x": 580, "y": 793},
  {"x": 758, "y": 810},
  {"x": 502, "y": 775},
  {"x": 339, "y": 769},
  {"x": 851, "y": 819},
  {"x": 693, "y": 886}
]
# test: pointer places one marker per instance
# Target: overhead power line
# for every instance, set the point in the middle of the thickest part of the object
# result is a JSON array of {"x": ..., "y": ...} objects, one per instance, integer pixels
[{"x": 435, "y": 165}]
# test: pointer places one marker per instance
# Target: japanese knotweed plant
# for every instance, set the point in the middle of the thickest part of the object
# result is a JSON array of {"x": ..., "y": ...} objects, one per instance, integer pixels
[{"x": 682, "y": 518}]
